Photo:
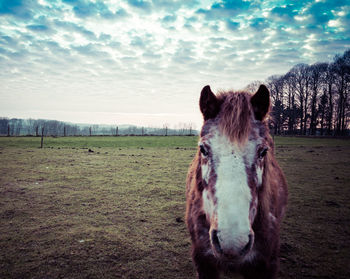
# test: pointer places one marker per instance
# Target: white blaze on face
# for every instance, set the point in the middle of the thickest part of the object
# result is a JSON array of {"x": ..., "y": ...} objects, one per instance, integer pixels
[
  {"x": 208, "y": 204},
  {"x": 232, "y": 192},
  {"x": 205, "y": 172},
  {"x": 259, "y": 173}
]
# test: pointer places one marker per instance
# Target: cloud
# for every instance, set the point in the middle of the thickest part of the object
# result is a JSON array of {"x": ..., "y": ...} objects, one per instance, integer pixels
[
  {"x": 285, "y": 13},
  {"x": 231, "y": 5},
  {"x": 121, "y": 13},
  {"x": 74, "y": 27},
  {"x": 18, "y": 8},
  {"x": 140, "y": 4},
  {"x": 7, "y": 40},
  {"x": 185, "y": 52},
  {"x": 104, "y": 37},
  {"x": 151, "y": 55},
  {"x": 232, "y": 25},
  {"x": 38, "y": 28},
  {"x": 92, "y": 50},
  {"x": 173, "y": 6},
  {"x": 87, "y": 9},
  {"x": 259, "y": 23},
  {"x": 57, "y": 49},
  {"x": 224, "y": 9},
  {"x": 169, "y": 19},
  {"x": 4, "y": 51},
  {"x": 320, "y": 13}
]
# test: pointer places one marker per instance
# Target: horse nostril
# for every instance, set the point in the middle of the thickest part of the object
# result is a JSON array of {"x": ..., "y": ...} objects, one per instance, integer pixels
[
  {"x": 249, "y": 245},
  {"x": 215, "y": 241}
]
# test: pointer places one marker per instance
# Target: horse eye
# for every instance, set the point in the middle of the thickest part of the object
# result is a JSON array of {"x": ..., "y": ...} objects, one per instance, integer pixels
[
  {"x": 203, "y": 150},
  {"x": 263, "y": 152}
]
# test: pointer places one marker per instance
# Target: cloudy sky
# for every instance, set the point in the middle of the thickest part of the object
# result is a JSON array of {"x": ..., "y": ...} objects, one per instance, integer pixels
[{"x": 144, "y": 62}]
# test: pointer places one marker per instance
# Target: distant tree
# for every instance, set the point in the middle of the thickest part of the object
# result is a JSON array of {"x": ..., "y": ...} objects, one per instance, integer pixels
[
  {"x": 318, "y": 72},
  {"x": 31, "y": 123},
  {"x": 3, "y": 125},
  {"x": 300, "y": 77},
  {"x": 191, "y": 128},
  {"x": 253, "y": 86},
  {"x": 16, "y": 126},
  {"x": 341, "y": 68},
  {"x": 322, "y": 110},
  {"x": 276, "y": 87},
  {"x": 95, "y": 129},
  {"x": 165, "y": 128},
  {"x": 291, "y": 108}
]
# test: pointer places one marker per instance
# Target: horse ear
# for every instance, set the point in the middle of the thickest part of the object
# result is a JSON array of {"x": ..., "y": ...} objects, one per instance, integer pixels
[
  {"x": 261, "y": 102},
  {"x": 208, "y": 103}
]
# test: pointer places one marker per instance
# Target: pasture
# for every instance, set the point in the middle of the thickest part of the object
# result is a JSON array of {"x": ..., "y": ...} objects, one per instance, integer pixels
[{"x": 117, "y": 211}]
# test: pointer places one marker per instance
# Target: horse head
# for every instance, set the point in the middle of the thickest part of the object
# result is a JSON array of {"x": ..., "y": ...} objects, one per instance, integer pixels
[{"x": 232, "y": 151}]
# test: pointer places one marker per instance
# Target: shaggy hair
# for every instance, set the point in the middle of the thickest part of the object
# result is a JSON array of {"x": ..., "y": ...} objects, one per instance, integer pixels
[{"x": 235, "y": 115}]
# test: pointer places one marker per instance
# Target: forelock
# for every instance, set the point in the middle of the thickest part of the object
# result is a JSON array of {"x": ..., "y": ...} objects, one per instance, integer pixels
[{"x": 235, "y": 116}]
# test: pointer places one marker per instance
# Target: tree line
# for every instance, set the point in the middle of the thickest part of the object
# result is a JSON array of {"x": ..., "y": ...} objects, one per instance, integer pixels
[
  {"x": 37, "y": 127},
  {"x": 311, "y": 99}
]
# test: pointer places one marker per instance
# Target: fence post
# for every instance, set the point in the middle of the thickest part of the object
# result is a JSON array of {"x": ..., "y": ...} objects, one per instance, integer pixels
[
  {"x": 42, "y": 137},
  {"x": 8, "y": 130},
  {"x": 116, "y": 131},
  {"x": 64, "y": 131}
]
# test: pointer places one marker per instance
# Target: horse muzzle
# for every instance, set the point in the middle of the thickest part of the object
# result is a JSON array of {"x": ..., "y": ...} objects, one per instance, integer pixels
[{"x": 231, "y": 249}]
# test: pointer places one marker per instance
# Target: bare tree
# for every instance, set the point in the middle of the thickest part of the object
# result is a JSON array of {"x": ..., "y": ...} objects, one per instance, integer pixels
[
  {"x": 4, "y": 125},
  {"x": 292, "y": 110},
  {"x": 253, "y": 86},
  {"x": 322, "y": 110},
  {"x": 276, "y": 86},
  {"x": 301, "y": 81},
  {"x": 191, "y": 127},
  {"x": 165, "y": 127},
  {"x": 317, "y": 72},
  {"x": 341, "y": 67}
]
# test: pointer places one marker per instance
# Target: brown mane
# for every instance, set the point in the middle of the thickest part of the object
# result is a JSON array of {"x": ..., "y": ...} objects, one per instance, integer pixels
[{"x": 235, "y": 115}]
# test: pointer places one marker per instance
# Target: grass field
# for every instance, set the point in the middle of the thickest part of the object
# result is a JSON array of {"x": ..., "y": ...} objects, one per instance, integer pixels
[{"x": 118, "y": 210}]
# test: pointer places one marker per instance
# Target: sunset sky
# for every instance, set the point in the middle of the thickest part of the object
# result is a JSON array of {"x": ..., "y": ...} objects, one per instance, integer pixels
[{"x": 145, "y": 62}]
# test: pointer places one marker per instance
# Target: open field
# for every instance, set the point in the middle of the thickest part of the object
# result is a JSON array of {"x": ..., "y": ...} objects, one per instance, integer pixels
[{"x": 118, "y": 212}]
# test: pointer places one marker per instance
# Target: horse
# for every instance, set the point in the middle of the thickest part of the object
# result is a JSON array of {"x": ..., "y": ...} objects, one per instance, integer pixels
[{"x": 236, "y": 193}]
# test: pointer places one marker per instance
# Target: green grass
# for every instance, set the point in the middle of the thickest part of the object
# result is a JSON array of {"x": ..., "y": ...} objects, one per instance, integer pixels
[
  {"x": 118, "y": 212},
  {"x": 147, "y": 141},
  {"x": 306, "y": 141},
  {"x": 100, "y": 142}
]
